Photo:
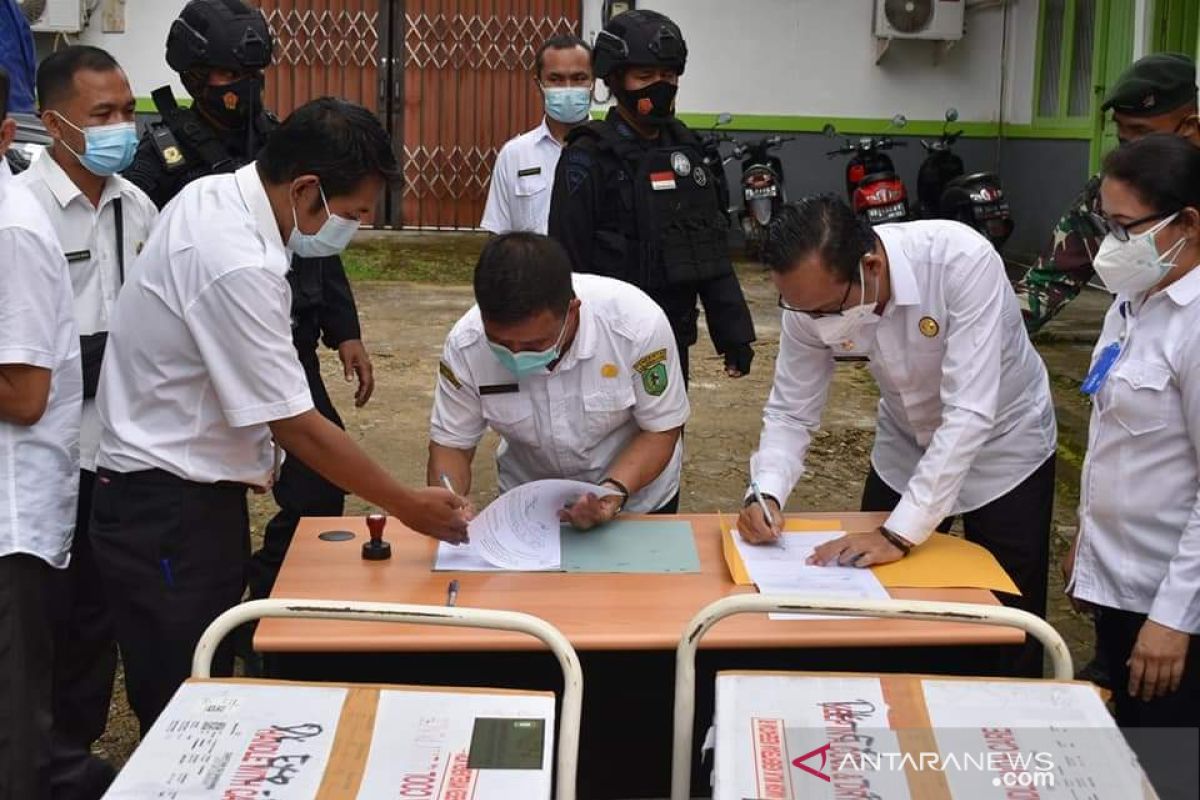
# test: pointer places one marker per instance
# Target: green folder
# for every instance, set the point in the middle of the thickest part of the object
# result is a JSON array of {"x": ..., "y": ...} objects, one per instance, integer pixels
[{"x": 631, "y": 546}]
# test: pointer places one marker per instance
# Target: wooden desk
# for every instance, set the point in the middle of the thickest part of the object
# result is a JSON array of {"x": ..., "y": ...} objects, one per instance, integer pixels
[{"x": 596, "y": 612}]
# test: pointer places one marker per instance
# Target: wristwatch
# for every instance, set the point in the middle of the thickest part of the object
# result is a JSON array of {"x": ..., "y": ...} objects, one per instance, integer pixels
[
  {"x": 896, "y": 540},
  {"x": 620, "y": 487}
]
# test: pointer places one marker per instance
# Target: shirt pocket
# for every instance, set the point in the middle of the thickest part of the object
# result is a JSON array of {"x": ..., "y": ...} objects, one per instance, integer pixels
[
  {"x": 607, "y": 409},
  {"x": 511, "y": 416},
  {"x": 1140, "y": 398},
  {"x": 531, "y": 192}
]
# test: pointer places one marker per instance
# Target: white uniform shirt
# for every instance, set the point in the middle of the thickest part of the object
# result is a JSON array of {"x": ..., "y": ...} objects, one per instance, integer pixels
[
  {"x": 965, "y": 413},
  {"x": 1139, "y": 534},
  {"x": 39, "y": 464},
  {"x": 620, "y": 376},
  {"x": 88, "y": 236},
  {"x": 519, "y": 197},
  {"x": 200, "y": 355}
]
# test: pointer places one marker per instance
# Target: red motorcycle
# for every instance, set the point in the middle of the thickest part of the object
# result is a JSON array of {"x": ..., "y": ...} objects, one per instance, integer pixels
[{"x": 876, "y": 192}]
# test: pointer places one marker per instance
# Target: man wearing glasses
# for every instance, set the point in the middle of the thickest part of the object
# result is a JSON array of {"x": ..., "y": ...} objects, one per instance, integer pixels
[
  {"x": 966, "y": 422},
  {"x": 1157, "y": 94}
]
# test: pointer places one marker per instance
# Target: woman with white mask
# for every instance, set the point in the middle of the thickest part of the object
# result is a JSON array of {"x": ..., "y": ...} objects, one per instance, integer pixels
[
  {"x": 1137, "y": 556},
  {"x": 966, "y": 424}
]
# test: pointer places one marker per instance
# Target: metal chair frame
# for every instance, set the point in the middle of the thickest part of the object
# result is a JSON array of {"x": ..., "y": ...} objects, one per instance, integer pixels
[
  {"x": 457, "y": 617},
  {"x": 685, "y": 653}
]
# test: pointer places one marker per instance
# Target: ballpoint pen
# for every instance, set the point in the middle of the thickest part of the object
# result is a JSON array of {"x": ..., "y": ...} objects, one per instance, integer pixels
[
  {"x": 452, "y": 593},
  {"x": 762, "y": 503}
]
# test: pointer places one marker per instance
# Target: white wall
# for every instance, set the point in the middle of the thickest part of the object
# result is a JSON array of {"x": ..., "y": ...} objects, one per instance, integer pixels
[
  {"x": 816, "y": 58},
  {"x": 141, "y": 49}
]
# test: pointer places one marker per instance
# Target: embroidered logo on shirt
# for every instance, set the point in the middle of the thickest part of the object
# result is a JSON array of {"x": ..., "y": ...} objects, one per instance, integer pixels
[
  {"x": 662, "y": 181},
  {"x": 929, "y": 327},
  {"x": 609, "y": 371},
  {"x": 449, "y": 375},
  {"x": 653, "y": 369},
  {"x": 172, "y": 156},
  {"x": 524, "y": 173}
]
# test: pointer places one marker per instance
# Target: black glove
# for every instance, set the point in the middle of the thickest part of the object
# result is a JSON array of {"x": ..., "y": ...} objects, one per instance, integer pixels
[{"x": 739, "y": 357}]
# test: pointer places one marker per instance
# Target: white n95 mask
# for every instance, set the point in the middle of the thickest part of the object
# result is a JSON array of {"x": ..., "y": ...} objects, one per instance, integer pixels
[
  {"x": 837, "y": 329},
  {"x": 1134, "y": 266}
]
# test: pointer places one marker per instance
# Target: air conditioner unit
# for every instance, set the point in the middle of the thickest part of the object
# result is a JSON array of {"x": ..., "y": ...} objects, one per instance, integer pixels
[
  {"x": 53, "y": 16},
  {"x": 919, "y": 19}
]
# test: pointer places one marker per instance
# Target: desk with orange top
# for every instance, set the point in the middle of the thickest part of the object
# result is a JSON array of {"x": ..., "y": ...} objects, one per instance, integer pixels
[{"x": 624, "y": 626}]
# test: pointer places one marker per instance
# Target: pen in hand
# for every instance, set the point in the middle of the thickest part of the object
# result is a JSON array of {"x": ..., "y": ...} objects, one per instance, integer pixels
[{"x": 768, "y": 516}]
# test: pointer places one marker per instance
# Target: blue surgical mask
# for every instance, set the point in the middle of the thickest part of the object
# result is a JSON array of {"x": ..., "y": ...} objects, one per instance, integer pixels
[
  {"x": 527, "y": 363},
  {"x": 568, "y": 104},
  {"x": 331, "y": 239},
  {"x": 107, "y": 149}
]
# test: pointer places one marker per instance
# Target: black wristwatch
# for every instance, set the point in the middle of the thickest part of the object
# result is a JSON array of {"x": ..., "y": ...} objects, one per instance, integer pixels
[
  {"x": 751, "y": 500},
  {"x": 620, "y": 487},
  {"x": 896, "y": 541}
]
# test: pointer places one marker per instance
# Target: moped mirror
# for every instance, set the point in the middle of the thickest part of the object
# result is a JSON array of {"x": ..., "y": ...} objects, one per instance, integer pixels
[
  {"x": 724, "y": 118},
  {"x": 951, "y": 115},
  {"x": 899, "y": 121},
  {"x": 829, "y": 131}
]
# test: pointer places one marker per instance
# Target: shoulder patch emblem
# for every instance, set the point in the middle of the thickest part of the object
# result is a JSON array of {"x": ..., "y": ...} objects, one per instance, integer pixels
[
  {"x": 681, "y": 164},
  {"x": 449, "y": 375},
  {"x": 929, "y": 327},
  {"x": 654, "y": 380},
  {"x": 577, "y": 176},
  {"x": 172, "y": 155},
  {"x": 647, "y": 362}
]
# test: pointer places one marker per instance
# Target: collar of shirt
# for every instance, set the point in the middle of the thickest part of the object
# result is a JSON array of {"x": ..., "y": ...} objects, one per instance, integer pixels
[
  {"x": 255, "y": 196},
  {"x": 584, "y": 346},
  {"x": 1186, "y": 289},
  {"x": 5, "y": 172},
  {"x": 543, "y": 133},
  {"x": 64, "y": 189},
  {"x": 905, "y": 291}
]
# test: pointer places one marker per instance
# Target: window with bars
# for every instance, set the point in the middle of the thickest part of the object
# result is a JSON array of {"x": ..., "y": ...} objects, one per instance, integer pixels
[{"x": 1067, "y": 38}]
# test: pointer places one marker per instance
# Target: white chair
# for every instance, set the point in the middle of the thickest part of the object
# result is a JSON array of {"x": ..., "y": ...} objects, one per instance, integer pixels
[
  {"x": 685, "y": 653},
  {"x": 452, "y": 616}
]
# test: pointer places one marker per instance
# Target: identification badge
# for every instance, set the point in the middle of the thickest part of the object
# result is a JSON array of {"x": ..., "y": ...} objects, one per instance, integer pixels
[
  {"x": 78, "y": 255},
  {"x": 1099, "y": 372}
]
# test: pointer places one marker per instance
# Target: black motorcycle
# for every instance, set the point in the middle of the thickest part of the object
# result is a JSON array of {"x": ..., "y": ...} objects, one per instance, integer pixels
[
  {"x": 763, "y": 188},
  {"x": 945, "y": 191}
]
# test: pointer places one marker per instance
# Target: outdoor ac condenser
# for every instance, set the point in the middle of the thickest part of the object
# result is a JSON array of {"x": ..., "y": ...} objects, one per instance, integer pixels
[
  {"x": 919, "y": 19},
  {"x": 53, "y": 16}
]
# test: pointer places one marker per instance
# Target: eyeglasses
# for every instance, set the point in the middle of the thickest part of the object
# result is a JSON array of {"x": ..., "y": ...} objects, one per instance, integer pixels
[
  {"x": 819, "y": 314},
  {"x": 1120, "y": 231}
]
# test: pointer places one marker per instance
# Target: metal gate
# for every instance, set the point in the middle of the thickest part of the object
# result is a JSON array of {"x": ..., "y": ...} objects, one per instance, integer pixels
[{"x": 452, "y": 80}]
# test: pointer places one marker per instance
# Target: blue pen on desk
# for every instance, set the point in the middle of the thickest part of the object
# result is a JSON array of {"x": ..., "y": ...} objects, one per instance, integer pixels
[
  {"x": 452, "y": 594},
  {"x": 166, "y": 568}
]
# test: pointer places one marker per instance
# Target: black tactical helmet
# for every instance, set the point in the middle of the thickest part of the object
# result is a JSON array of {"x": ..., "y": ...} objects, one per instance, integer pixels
[
  {"x": 228, "y": 34},
  {"x": 639, "y": 39}
]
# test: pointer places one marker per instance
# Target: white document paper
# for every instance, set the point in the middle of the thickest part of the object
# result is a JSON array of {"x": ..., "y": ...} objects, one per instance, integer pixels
[
  {"x": 792, "y": 737},
  {"x": 1054, "y": 739},
  {"x": 235, "y": 740},
  {"x": 782, "y": 568},
  {"x": 520, "y": 530},
  {"x": 461, "y": 558},
  {"x": 422, "y": 741}
]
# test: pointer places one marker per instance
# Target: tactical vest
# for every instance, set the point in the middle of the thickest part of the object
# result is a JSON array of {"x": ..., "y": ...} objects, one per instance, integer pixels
[{"x": 669, "y": 213}]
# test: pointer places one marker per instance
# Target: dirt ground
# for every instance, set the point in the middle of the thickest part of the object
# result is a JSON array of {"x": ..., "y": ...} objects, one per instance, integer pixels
[{"x": 404, "y": 324}]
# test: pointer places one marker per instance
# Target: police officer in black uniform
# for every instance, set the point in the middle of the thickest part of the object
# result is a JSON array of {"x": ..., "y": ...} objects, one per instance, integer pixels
[
  {"x": 220, "y": 48},
  {"x": 632, "y": 199}
]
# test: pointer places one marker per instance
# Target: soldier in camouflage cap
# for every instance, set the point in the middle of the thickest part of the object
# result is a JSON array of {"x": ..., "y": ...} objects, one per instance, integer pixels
[{"x": 1157, "y": 94}]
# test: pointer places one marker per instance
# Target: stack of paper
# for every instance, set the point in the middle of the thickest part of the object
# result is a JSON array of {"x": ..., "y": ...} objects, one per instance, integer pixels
[{"x": 781, "y": 568}]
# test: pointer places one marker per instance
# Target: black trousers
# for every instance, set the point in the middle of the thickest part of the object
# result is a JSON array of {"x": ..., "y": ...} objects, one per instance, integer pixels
[
  {"x": 1015, "y": 528},
  {"x": 172, "y": 555},
  {"x": 85, "y": 664},
  {"x": 26, "y": 660},
  {"x": 300, "y": 492}
]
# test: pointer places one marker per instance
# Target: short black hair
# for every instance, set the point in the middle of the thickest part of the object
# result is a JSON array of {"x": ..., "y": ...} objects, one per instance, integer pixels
[
  {"x": 824, "y": 225},
  {"x": 567, "y": 41},
  {"x": 338, "y": 141},
  {"x": 3, "y": 93},
  {"x": 521, "y": 274},
  {"x": 1162, "y": 169},
  {"x": 56, "y": 73}
]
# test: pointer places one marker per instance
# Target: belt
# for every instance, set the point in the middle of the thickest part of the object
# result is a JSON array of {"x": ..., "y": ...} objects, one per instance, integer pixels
[{"x": 160, "y": 477}]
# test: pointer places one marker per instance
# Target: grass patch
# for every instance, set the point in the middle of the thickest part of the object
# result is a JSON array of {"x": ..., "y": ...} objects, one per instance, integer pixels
[{"x": 443, "y": 260}]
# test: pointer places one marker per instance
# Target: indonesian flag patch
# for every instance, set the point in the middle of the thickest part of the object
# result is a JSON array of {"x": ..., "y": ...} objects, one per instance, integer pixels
[{"x": 662, "y": 181}]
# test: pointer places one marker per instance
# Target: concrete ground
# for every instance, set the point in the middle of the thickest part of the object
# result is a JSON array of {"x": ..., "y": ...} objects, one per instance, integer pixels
[{"x": 404, "y": 325}]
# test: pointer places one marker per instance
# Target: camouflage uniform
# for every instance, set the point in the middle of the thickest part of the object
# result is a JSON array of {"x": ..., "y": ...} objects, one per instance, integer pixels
[{"x": 1065, "y": 266}]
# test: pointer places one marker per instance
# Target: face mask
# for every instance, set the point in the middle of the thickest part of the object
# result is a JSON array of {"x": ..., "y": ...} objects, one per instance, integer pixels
[
  {"x": 231, "y": 105},
  {"x": 836, "y": 330},
  {"x": 332, "y": 237},
  {"x": 107, "y": 149},
  {"x": 653, "y": 104},
  {"x": 568, "y": 104},
  {"x": 527, "y": 363},
  {"x": 1134, "y": 266}
]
